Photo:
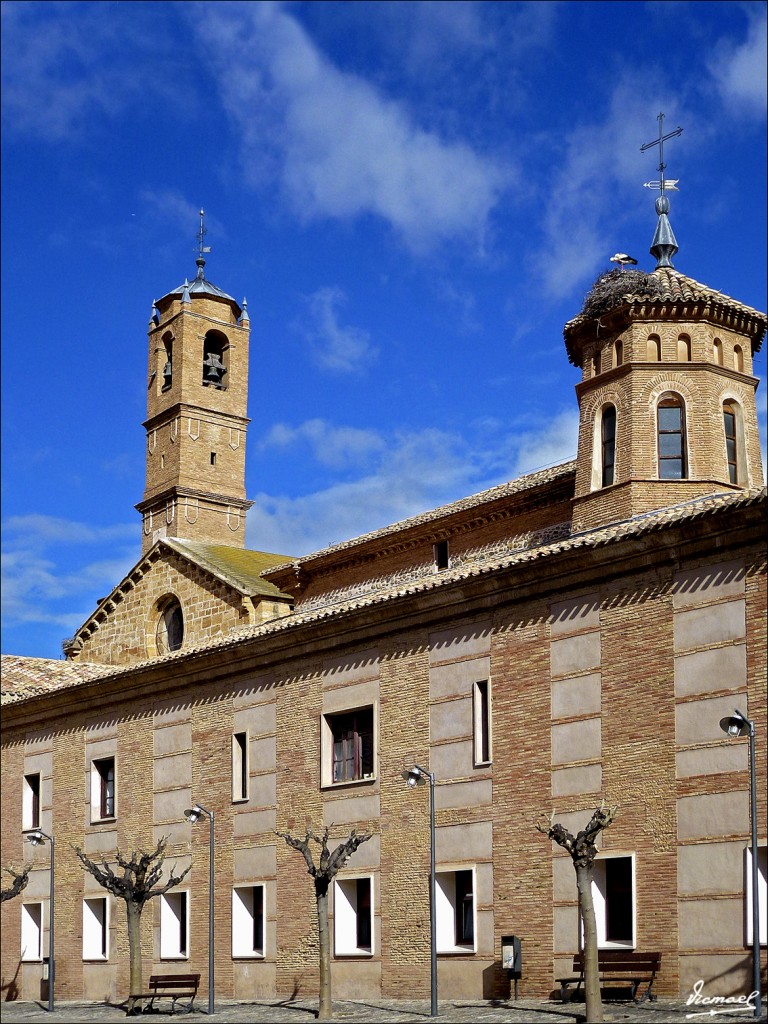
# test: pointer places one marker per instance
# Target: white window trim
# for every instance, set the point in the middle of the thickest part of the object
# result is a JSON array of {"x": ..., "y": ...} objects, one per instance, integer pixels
[
  {"x": 28, "y": 824},
  {"x": 239, "y": 770},
  {"x": 95, "y": 781},
  {"x": 243, "y": 923},
  {"x": 32, "y": 931},
  {"x": 599, "y": 901},
  {"x": 479, "y": 726},
  {"x": 445, "y": 912},
  {"x": 762, "y": 892},
  {"x": 345, "y": 915},
  {"x": 170, "y": 925},
  {"x": 326, "y": 745},
  {"x": 95, "y": 930}
]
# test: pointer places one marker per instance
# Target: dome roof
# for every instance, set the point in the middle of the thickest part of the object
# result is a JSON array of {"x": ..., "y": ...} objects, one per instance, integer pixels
[
  {"x": 201, "y": 286},
  {"x": 664, "y": 287}
]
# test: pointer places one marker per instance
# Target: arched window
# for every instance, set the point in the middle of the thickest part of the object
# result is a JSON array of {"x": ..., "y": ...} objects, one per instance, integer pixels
[
  {"x": 734, "y": 441},
  {"x": 215, "y": 351},
  {"x": 683, "y": 349},
  {"x": 738, "y": 358},
  {"x": 169, "y": 633},
  {"x": 654, "y": 348},
  {"x": 608, "y": 444},
  {"x": 671, "y": 438},
  {"x": 618, "y": 353},
  {"x": 717, "y": 347}
]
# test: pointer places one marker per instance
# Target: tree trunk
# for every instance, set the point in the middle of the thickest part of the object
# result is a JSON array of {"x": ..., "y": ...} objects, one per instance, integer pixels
[
  {"x": 133, "y": 911},
  {"x": 324, "y": 936},
  {"x": 594, "y": 1004}
]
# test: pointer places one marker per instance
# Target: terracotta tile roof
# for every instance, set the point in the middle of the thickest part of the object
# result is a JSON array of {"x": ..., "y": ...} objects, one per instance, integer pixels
[
  {"x": 667, "y": 285},
  {"x": 22, "y": 678},
  {"x": 684, "y": 514},
  {"x": 523, "y": 483}
]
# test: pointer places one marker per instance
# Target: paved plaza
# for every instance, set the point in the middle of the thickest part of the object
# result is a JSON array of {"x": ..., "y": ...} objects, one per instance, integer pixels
[{"x": 662, "y": 1011}]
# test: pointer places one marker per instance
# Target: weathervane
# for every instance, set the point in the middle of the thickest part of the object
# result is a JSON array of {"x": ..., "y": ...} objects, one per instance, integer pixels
[
  {"x": 664, "y": 245},
  {"x": 202, "y": 249}
]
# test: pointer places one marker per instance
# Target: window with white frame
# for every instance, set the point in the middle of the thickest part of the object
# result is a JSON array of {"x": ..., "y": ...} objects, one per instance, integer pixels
[
  {"x": 31, "y": 931},
  {"x": 613, "y": 893},
  {"x": 95, "y": 929},
  {"x": 240, "y": 766},
  {"x": 102, "y": 788},
  {"x": 30, "y": 810},
  {"x": 762, "y": 894},
  {"x": 248, "y": 921},
  {"x": 348, "y": 746},
  {"x": 481, "y": 708},
  {"x": 353, "y": 916},
  {"x": 455, "y": 910},
  {"x": 174, "y": 925}
]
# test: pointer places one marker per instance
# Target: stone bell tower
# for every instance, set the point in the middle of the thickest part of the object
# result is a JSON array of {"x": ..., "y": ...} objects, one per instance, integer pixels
[{"x": 196, "y": 415}]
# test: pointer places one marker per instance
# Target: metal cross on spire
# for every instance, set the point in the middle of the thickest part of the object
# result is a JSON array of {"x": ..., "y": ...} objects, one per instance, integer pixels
[
  {"x": 202, "y": 249},
  {"x": 664, "y": 245}
]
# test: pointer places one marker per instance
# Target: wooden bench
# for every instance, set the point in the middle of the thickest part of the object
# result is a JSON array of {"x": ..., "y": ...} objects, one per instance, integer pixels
[
  {"x": 616, "y": 966},
  {"x": 170, "y": 986}
]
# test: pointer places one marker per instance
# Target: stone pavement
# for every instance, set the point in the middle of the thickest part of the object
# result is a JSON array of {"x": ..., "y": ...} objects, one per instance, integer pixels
[{"x": 304, "y": 1011}]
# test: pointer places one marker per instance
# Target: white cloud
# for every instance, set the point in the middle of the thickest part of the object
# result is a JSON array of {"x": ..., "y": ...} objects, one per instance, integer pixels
[
  {"x": 63, "y": 64},
  {"x": 335, "y": 447},
  {"x": 601, "y": 165},
  {"x": 344, "y": 349},
  {"x": 339, "y": 147},
  {"x": 407, "y": 473},
  {"x": 739, "y": 69},
  {"x": 45, "y": 571}
]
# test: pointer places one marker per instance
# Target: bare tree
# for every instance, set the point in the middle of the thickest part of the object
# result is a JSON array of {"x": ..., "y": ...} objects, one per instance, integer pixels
[
  {"x": 20, "y": 879},
  {"x": 582, "y": 849},
  {"x": 137, "y": 885},
  {"x": 323, "y": 873}
]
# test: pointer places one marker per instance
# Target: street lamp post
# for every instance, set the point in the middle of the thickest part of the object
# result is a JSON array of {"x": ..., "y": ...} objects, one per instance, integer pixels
[
  {"x": 193, "y": 815},
  {"x": 37, "y": 838},
  {"x": 418, "y": 776},
  {"x": 739, "y": 725}
]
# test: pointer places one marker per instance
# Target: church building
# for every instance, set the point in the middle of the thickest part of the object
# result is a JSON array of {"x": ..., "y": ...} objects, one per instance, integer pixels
[{"x": 570, "y": 636}]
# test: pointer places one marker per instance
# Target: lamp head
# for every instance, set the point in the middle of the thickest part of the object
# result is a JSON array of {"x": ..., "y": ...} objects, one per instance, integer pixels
[
  {"x": 414, "y": 777},
  {"x": 35, "y": 838},
  {"x": 192, "y": 814},
  {"x": 735, "y": 725}
]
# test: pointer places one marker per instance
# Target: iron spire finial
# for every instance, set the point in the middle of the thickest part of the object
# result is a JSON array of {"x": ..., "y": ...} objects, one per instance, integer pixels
[
  {"x": 202, "y": 249},
  {"x": 664, "y": 244}
]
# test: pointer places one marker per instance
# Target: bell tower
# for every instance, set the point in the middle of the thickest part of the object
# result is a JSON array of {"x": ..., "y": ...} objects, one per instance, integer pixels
[
  {"x": 667, "y": 409},
  {"x": 196, "y": 415}
]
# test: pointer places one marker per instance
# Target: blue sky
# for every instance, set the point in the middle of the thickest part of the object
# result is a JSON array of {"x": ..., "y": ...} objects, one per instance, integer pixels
[{"x": 413, "y": 197}]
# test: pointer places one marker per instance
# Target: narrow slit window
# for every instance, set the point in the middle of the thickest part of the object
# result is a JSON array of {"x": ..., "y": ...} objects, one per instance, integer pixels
[
  {"x": 729, "y": 423},
  {"x": 31, "y": 801},
  {"x": 482, "y": 714},
  {"x": 103, "y": 788},
  {"x": 608, "y": 444},
  {"x": 240, "y": 766},
  {"x": 213, "y": 458},
  {"x": 654, "y": 348},
  {"x": 738, "y": 358},
  {"x": 619, "y": 352}
]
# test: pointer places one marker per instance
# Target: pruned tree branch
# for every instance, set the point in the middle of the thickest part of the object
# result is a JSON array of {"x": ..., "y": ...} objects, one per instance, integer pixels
[{"x": 20, "y": 879}]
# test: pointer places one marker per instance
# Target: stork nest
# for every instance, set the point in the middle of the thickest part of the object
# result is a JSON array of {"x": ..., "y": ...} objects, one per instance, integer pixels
[{"x": 610, "y": 288}]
